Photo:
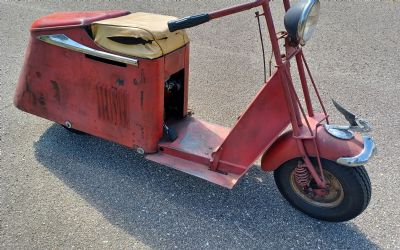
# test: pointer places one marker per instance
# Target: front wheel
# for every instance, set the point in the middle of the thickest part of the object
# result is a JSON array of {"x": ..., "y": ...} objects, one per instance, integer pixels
[{"x": 347, "y": 194}]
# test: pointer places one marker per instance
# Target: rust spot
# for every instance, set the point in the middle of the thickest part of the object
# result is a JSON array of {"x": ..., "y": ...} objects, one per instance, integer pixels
[
  {"x": 142, "y": 77},
  {"x": 28, "y": 91},
  {"x": 27, "y": 87},
  {"x": 141, "y": 80},
  {"x": 112, "y": 105},
  {"x": 120, "y": 82},
  {"x": 141, "y": 99},
  {"x": 38, "y": 74},
  {"x": 141, "y": 128},
  {"x": 42, "y": 100},
  {"x": 56, "y": 88}
]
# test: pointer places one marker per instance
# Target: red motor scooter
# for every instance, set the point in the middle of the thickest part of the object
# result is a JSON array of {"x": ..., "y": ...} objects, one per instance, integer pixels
[{"x": 124, "y": 77}]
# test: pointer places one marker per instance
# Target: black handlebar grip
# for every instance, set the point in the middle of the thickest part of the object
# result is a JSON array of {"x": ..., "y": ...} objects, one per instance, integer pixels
[{"x": 188, "y": 22}]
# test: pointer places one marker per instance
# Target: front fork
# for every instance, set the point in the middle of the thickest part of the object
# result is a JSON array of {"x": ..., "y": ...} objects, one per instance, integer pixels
[{"x": 318, "y": 178}]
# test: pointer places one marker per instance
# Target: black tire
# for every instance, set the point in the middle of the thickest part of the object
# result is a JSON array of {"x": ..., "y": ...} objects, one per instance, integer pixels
[
  {"x": 74, "y": 131},
  {"x": 355, "y": 185}
]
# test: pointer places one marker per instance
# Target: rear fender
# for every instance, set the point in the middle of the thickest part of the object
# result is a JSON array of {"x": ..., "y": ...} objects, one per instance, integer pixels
[{"x": 285, "y": 148}]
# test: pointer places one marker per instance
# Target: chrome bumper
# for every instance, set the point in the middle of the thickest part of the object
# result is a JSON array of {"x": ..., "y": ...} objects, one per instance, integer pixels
[{"x": 361, "y": 159}]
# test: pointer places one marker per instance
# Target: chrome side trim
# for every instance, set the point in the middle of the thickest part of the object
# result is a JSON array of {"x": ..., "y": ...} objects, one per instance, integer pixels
[
  {"x": 358, "y": 160},
  {"x": 63, "y": 41}
]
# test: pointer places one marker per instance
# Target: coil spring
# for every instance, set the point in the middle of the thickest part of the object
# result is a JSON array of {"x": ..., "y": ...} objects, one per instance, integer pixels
[{"x": 302, "y": 175}]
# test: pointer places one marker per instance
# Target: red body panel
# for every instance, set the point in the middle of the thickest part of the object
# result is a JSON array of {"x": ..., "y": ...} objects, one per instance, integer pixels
[
  {"x": 124, "y": 104},
  {"x": 258, "y": 127}
]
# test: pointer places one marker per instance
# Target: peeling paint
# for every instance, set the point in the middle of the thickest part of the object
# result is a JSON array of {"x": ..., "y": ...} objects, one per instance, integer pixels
[
  {"x": 120, "y": 82},
  {"x": 141, "y": 80},
  {"x": 141, "y": 99},
  {"x": 42, "y": 101},
  {"x": 28, "y": 91},
  {"x": 56, "y": 88}
]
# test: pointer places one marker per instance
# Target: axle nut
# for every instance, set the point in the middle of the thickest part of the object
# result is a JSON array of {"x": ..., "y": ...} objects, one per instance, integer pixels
[
  {"x": 68, "y": 124},
  {"x": 140, "y": 151}
]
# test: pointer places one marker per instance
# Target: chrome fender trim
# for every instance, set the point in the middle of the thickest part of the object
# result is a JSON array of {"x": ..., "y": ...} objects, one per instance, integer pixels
[
  {"x": 361, "y": 159},
  {"x": 63, "y": 41},
  {"x": 341, "y": 132}
]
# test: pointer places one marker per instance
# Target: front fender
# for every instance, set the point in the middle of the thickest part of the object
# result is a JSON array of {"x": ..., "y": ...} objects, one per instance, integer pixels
[{"x": 285, "y": 148}]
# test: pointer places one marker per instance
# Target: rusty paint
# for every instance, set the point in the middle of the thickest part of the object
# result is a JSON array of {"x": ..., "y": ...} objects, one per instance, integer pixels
[
  {"x": 112, "y": 105},
  {"x": 92, "y": 98},
  {"x": 193, "y": 168},
  {"x": 56, "y": 89},
  {"x": 28, "y": 91},
  {"x": 196, "y": 140},
  {"x": 120, "y": 82},
  {"x": 42, "y": 101},
  {"x": 141, "y": 99},
  {"x": 141, "y": 129},
  {"x": 255, "y": 127},
  {"x": 141, "y": 80}
]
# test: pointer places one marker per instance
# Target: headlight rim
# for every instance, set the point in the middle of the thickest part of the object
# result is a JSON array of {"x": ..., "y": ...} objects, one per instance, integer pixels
[{"x": 301, "y": 26}]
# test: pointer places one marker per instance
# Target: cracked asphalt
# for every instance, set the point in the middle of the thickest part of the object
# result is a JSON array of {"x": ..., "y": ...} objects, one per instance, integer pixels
[{"x": 60, "y": 190}]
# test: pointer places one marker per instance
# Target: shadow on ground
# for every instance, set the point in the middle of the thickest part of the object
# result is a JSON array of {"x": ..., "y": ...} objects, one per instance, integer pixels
[{"x": 164, "y": 208}]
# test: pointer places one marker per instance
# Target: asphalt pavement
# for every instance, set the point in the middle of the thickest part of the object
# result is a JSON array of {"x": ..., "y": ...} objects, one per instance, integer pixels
[{"x": 61, "y": 190}]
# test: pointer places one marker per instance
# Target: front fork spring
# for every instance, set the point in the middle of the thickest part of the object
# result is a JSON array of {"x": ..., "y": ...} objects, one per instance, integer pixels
[{"x": 302, "y": 175}]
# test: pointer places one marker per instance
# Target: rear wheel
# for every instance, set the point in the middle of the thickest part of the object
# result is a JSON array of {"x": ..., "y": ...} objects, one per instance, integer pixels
[{"x": 347, "y": 194}]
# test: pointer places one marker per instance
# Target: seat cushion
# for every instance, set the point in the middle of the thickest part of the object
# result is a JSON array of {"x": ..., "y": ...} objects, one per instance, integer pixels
[{"x": 139, "y": 34}]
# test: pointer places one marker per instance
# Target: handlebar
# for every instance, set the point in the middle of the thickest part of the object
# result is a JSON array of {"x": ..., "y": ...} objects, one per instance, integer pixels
[
  {"x": 191, "y": 21},
  {"x": 188, "y": 22}
]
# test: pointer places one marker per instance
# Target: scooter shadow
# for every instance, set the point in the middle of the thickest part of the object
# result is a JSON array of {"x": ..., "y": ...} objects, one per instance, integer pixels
[{"x": 164, "y": 208}]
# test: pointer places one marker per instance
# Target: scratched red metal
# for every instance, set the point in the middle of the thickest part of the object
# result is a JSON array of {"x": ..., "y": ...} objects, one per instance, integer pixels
[
  {"x": 196, "y": 169},
  {"x": 196, "y": 140},
  {"x": 121, "y": 104},
  {"x": 259, "y": 126}
]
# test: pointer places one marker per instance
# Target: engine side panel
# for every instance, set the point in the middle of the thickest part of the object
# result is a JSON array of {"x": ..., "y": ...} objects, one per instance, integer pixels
[{"x": 121, "y": 103}]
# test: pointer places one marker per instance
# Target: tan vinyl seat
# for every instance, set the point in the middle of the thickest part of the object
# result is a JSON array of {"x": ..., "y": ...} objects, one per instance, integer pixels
[{"x": 143, "y": 35}]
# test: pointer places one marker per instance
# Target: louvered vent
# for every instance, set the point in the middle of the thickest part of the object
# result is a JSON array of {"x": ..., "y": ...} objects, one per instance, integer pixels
[{"x": 112, "y": 105}]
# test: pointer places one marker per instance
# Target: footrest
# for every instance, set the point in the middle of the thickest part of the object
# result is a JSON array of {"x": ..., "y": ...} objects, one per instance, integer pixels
[{"x": 196, "y": 169}]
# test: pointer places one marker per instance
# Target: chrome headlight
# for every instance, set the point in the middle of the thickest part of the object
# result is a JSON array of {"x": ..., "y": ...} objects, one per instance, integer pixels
[{"x": 301, "y": 20}]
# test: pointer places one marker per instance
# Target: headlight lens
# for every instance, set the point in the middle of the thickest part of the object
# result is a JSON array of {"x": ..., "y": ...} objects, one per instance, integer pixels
[{"x": 301, "y": 20}]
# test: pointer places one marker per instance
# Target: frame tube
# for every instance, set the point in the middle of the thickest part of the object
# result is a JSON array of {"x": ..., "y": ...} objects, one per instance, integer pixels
[
  {"x": 304, "y": 86},
  {"x": 236, "y": 9}
]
